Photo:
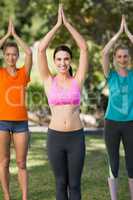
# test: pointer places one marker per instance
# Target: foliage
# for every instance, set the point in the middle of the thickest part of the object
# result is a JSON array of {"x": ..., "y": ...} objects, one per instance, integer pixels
[
  {"x": 36, "y": 98},
  {"x": 97, "y": 21},
  {"x": 94, "y": 82}
]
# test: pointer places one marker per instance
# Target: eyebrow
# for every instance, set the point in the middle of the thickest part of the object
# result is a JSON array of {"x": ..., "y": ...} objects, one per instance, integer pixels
[{"x": 123, "y": 55}]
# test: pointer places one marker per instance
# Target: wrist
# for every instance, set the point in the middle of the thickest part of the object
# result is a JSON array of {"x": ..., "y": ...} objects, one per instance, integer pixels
[
  {"x": 66, "y": 23},
  {"x": 120, "y": 32},
  {"x": 57, "y": 25},
  {"x": 7, "y": 35},
  {"x": 14, "y": 35}
]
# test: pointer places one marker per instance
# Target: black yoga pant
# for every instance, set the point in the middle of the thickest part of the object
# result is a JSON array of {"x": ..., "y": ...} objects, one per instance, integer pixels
[
  {"x": 115, "y": 132},
  {"x": 66, "y": 152}
]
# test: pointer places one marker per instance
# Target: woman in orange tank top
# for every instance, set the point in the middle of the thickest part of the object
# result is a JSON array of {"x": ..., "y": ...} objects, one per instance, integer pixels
[{"x": 13, "y": 113}]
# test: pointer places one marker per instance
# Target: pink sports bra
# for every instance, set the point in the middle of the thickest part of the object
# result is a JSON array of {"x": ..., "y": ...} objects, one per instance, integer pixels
[{"x": 63, "y": 96}]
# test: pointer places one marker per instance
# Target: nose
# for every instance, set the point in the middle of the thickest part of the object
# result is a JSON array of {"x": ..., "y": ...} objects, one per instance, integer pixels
[
  {"x": 124, "y": 59},
  {"x": 10, "y": 56},
  {"x": 62, "y": 62}
]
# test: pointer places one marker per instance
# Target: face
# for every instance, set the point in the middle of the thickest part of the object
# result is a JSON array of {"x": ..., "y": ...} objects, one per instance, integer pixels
[
  {"x": 62, "y": 61},
  {"x": 11, "y": 56},
  {"x": 122, "y": 57}
]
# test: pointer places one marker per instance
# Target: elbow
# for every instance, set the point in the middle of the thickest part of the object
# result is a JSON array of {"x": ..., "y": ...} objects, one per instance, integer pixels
[
  {"x": 29, "y": 52},
  {"x": 84, "y": 47},
  {"x": 105, "y": 52},
  {"x": 41, "y": 48}
]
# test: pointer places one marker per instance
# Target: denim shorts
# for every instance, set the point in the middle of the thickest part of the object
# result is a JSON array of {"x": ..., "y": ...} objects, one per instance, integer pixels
[{"x": 14, "y": 126}]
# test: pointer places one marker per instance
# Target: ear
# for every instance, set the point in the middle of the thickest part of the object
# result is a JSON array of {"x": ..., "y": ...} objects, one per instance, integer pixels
[
  {"x": 114, "y": 61},
  {"x": 18, "y": 55},
  {"x": 129, "y": 60}
]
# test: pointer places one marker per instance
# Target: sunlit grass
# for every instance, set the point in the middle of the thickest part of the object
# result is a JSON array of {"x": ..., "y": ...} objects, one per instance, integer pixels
[{"x": 94, "y": 179}]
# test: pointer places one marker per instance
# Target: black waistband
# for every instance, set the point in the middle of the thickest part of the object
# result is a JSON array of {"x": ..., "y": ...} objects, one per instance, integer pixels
[{"x": 65, "y": 133}]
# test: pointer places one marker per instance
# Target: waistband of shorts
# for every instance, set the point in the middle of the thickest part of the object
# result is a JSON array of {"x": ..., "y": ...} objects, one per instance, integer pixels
[{"x": 66, "y": 133}]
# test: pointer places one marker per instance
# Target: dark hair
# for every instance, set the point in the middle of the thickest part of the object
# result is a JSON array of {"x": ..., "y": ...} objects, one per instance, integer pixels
[
  {"x": 68, "y": 50},
  {"x": 121, "y": 46},
  {"x": 10, "y": 44}
]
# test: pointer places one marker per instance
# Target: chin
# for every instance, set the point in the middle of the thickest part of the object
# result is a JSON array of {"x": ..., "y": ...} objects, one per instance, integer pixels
[
  {"x": 63, "y": 71},
  {"x": 124, "y": 66},
  {"x": 11, "y": 64}
]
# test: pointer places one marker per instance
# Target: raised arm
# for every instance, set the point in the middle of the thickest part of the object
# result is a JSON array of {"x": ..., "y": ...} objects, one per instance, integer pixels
[
  {"x": 8, "y": 34},
  {"x": 130, "y": 36},
  {"x": 42, "y": 58},
  {"x": 81, "y": 43},
  {"x": 106, "y": 50},
  {"x": 26, "y": 48}
]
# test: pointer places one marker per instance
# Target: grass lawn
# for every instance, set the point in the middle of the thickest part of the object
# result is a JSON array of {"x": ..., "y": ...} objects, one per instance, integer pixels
[{"x": 94, "y": 179}]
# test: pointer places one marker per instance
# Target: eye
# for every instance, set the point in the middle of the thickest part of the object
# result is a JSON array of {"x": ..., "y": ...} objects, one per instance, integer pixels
[
  {"x": 125, "y": 56},
  {"x": 58, "y": 59},
  {"x": 66, "y": 58}
]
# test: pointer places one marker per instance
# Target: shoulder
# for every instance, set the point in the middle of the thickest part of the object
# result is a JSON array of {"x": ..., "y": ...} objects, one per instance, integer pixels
[
  {"x": 49, "y": 82},
  {"x": 2, "y": 69},
  {"x": 112, "y": 73},
  {"x": 23, "y": 73},
  {"x": 130, "y": 70},
  {"x": 77, "y": 82},
  {"x": 21, "y": 69}
]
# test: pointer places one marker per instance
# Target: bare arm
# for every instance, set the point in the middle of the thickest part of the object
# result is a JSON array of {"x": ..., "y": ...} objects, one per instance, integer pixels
[
  {"x": 42, "y": 57},
  {"x": 8, "y": 34},
  {"x": 130, "y": 36},
  {"x": 26, "y": 48},
  {"x": 81, "y": 43},
  {"x": 106, "y": 50}
]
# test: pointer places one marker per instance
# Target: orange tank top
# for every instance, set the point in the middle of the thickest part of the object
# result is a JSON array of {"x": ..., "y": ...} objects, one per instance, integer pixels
[{"x": 12, "y": 95}]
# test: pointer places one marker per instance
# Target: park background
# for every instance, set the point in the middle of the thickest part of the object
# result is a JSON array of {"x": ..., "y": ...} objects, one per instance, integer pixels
[{"x": 97, "y": 21}]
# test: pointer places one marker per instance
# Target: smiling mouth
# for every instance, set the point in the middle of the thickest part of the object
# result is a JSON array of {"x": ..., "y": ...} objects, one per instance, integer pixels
[{"x": 63, "y": 67}]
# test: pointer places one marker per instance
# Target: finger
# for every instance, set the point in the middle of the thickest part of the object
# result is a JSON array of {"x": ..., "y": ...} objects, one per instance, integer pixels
[
  {"x": 62, "y": 12},
  {"x": 60, "y": 5},
  {"x": 9, "y": 24},
  {"x": 122, "y": 21},
  {"x": 9, "y": 20},
  {"x": 123, "y": 16},
  {"x": 60, "y": 8}
]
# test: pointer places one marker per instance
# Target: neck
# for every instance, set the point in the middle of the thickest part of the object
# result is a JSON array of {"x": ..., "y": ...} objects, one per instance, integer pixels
[
  {"x": 11, "y": 68},
  {"x": 63, "y": 77},
  {"x": 122, "y": 71}
]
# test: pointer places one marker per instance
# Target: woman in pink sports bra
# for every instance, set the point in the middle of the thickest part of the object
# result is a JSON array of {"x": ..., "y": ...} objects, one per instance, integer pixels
[{"x": 66, "y": 146}]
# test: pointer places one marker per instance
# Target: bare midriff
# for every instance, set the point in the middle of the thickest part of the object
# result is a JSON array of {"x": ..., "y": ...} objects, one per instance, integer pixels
[{"x": 65, "y": 118}]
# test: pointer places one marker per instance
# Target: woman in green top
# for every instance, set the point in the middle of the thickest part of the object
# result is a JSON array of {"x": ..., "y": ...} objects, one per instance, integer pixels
[{"x": 119, "y": 114}]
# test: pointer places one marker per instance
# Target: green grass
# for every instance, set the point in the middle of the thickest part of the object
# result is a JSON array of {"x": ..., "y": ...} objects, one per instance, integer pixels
[{"x": 94, "y": 179}]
